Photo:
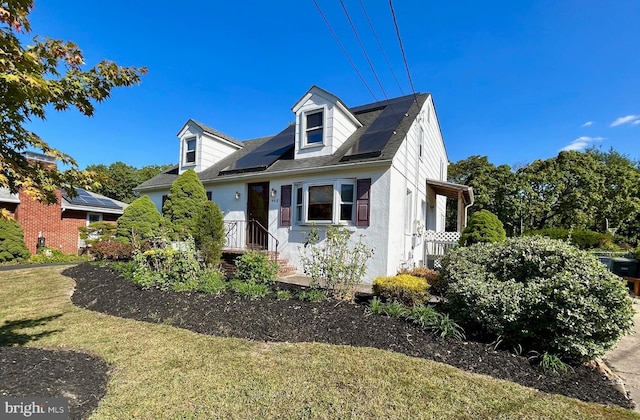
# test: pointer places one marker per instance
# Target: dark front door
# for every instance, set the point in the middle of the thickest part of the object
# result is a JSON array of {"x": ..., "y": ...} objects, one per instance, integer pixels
[{"x": 258, "y": 215}]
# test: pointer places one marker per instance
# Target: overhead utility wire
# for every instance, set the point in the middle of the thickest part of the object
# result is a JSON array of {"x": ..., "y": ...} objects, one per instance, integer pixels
[
  {"x": 364, "y": 51},
  {"x": 404, "y": 57},
  {"x": 375, "y": 35},
  {"x": 335, "y": 36}
]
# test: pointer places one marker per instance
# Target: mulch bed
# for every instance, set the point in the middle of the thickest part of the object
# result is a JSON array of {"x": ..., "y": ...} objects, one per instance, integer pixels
[{"x": 268, "y": 319}]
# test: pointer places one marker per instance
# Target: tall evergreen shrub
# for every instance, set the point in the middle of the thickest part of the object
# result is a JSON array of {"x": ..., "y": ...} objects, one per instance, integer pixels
[
  {"x": 12, "y": 246},
  {"x": 209, "y": 232},
  {"x": 483, "y": 226},
  {"x": 140, "y": 220},
  {"x": 183, "y": 204}
]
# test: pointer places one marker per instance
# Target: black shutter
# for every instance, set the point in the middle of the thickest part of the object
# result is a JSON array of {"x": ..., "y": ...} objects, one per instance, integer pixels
[
  {"x": 285, "y": 205},
  {"x": 363, "y": 208}
]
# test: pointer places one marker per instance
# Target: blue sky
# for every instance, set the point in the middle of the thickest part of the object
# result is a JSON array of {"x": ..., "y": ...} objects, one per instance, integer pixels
[{"x": 513, "y": 80}]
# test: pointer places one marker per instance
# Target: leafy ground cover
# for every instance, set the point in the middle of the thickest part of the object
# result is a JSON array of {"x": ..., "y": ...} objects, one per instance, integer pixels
[{"x": 159, "y": 371}]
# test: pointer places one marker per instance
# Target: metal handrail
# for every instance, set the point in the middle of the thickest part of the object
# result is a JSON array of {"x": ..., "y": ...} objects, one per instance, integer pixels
[{"x": 265, "y": 230}]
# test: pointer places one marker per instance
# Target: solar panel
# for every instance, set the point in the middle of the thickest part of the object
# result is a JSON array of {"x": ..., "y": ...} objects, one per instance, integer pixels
[
  {"x": 84, "y": 198},
  {"x": 374, "y": 140},
  {"x": 264, "y": 155}
]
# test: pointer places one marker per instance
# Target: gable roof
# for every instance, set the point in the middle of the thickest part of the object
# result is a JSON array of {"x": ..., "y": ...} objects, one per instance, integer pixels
[
  {"x": 385, "y": 124},
  {"x": 213, "y": 131},
  {"x": 90, "y": 201}
]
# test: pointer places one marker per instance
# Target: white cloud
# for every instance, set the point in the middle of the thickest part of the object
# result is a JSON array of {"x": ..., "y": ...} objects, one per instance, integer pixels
[
  {"x": 587, "y": 124},
  {"x": 629, "y": 119},
  {"x": 581, "y": 143}
]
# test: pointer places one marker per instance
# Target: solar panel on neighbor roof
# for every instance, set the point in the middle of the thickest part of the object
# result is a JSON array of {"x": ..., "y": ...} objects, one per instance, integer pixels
[
  {"x": 374, "y": 140},
  {"x": 84, "y": 198},
  {"x": 264, "y": 155}
]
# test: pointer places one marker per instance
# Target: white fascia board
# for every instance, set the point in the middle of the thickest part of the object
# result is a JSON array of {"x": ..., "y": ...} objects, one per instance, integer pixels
[{"x": 91, "y": 209}]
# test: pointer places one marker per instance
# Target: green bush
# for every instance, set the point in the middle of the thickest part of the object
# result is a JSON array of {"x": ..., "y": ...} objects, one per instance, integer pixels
[
  {"x": 12, "y": 246},
  {"x": 181, "y": 209},
  {"x": 54, "y": 256},
  {"x": 256, "y": 267},
  {"x": 112, "y": 250},
  {"x": 97, "y": 232},
  {"x": 543, "y": 294},
  {"x": 140, "y": 221},
  {"x": 583, "y": 239},
  {"x": 166, "y": 267},
  {"x": 483, "y": 226},
  {"x": 403, "y": 288},
  {"x": 430, "y": 276},
  {"x": 209, "y": 233}
]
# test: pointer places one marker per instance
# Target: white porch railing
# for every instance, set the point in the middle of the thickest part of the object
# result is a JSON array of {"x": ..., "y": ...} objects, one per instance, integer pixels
[
  {"x": 248, "y": 235},
  {"x": 437, "y": 244}
]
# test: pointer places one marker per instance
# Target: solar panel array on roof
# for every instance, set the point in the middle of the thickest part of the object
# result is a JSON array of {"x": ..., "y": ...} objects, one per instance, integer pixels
[
  {"x": 373, "y": 141},
  {"x": 84, "y": 198},
  {"x": 265, "y": 155}
]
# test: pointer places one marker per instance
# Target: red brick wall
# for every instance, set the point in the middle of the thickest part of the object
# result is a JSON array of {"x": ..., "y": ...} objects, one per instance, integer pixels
[{"x": 36, "y": 218}]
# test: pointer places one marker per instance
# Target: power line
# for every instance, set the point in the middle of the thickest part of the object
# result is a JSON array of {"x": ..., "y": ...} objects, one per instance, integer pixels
[
  {"x": 375, "y": 35},
  {"x": 364, "y": 51},
  {"x": 404, "y": 57},
  {"x": 335, "y": 36}
]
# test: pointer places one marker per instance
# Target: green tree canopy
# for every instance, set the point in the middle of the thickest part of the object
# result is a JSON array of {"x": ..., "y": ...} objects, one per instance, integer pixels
[
  {"x": 183, "y": 203},
  {"x": 140, "y": 220},
  {"x": 119, "y": 179},
  {"x": 47, "y": 74},
  {"x": 209, "y": 232}
]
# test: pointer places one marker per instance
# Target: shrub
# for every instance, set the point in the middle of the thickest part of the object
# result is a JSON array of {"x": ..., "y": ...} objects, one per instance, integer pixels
[
  {"x": 140, "y": 221},
  {"x": 112, "y": 250},
  {"x": 209, "y": 233},
  {"x": 483, "y": 226},
  {"x": 583, "y": 239},
  {"x": 256, "y": 267},
  {"x": 53, "y": 256},
  {"x": 404, "y": 288},
  {"x": 430, "y": 276},
  {"x": 339, "y": 265},
  {"x": 182, "y": 206},
  {"x": 97, "y": 232},
  {"x": 544, "y": 294},
  {"x": 12, "y": 246},
  {"x": 165, "y": 267}
]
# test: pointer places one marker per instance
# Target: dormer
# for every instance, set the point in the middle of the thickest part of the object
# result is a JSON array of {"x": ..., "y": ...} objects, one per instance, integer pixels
[
  {"x": 201, "y": 146},
  {"x": 323, "y": 124}
]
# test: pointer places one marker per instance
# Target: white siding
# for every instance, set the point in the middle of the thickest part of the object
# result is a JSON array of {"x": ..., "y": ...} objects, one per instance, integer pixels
[{"x": 209, "y": 148}]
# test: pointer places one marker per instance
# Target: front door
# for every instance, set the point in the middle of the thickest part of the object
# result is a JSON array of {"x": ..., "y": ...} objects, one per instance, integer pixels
[{"x": 258, "y": 215}]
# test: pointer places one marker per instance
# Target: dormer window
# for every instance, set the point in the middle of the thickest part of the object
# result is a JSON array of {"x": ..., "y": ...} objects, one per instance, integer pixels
[
  {"x": 190, "y": 150},
  {"x": 314, "y": 130}
]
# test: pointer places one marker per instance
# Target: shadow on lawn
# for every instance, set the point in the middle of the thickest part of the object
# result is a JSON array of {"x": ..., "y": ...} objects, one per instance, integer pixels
[{"x": 9, "y": 335}]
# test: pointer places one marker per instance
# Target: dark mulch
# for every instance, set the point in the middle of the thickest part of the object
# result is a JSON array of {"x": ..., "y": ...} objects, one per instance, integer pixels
[
  {"x": 268, "y": 319},
  {"x": 31, "y": 372}
]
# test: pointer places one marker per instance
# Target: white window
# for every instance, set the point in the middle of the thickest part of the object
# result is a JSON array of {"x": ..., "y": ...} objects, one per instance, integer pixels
[
  {"x": 190, "y": 150},
  {"x": 93, "y": 217},
  {"x": 314, "y": 128},
  {"x": 325, "y": 202}
]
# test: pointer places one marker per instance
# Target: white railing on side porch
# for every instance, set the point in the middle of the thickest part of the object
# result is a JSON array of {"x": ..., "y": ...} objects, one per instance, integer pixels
[
  {"x": 241, "y": 235},
  {"x": 437, "y": 244}
]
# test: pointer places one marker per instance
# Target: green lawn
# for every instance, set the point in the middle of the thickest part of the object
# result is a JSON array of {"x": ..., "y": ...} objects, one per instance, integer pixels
[{"x": 162, "y": 372}]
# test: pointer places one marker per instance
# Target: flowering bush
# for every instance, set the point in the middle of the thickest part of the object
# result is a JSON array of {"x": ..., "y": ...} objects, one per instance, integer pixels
[{"x": 543, "y": 294}]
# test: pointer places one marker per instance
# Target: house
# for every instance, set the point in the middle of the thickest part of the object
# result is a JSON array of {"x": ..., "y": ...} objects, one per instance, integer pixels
[
  {"x": 380, "y": 169},
  {"x": 56, "y": 225}
]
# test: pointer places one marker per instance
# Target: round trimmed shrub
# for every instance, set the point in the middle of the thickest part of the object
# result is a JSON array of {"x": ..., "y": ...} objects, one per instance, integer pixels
[
  {"x": 181, "y": 209},
  {"x": 403, "y": 288},
  {"x": 541, "y": 293},
  {"x": 12, "y": 246},
  {"x": 141, "y": 220},
  {"x": 483, "y": 226}
]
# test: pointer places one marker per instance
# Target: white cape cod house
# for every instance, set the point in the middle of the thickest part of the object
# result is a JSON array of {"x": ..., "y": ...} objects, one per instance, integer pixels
[{"x": 380, "y": 169}]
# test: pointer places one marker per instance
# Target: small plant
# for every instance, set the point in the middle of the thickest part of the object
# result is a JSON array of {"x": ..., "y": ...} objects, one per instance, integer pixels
[
  {"x": 394, "y": 309},
  {"x": 312, "y": 295},
  {"x": 550, "y": 364},
  {"x": 250, "y": 290},
  {"x": 448, "y": 328},
  {"x": 256, "y": 267},
  {"x": 212, "y": 281},
  {"x": 283, "y": 295},
  {"x": 422, "y": 315},
  {"x": 339, "y": 265},
  {"x": 404, "y": 288},
  {"x": 376, "y": 306}
]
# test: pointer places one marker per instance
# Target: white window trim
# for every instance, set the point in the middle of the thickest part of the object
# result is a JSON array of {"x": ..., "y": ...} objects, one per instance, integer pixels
[
  {"x": 100, "y": 218},
  {"x": 337, "y": 202},
  {"x": 195, "y": 150},
  {"x": 303, "y": 124}
]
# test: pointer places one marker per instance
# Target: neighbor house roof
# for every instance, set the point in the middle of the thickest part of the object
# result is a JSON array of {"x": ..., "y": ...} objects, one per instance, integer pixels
[
  {"x": 375, "y": 143},
  {"x": 92, "y": 202},
  {"x": 7, "y": 197}
]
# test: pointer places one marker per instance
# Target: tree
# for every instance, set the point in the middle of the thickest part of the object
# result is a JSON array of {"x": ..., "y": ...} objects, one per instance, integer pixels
[
  {"x": 483, "y": 226},
  {"x": 209, "y": 232},
  {"x": 12, "y": 246},
  {"x": 119, "y": 179},
  {"x": 48, "y": 73},
  {"x": 140, "y": 220},
  {"x": 183, "y": 204}
]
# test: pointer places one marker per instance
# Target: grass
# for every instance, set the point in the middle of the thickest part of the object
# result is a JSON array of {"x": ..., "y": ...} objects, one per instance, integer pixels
[{"x": 159, "y": 371}]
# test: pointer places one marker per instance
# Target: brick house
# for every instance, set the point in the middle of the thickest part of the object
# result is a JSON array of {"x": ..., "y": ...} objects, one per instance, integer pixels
[{"x": 56, "y": 225}]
